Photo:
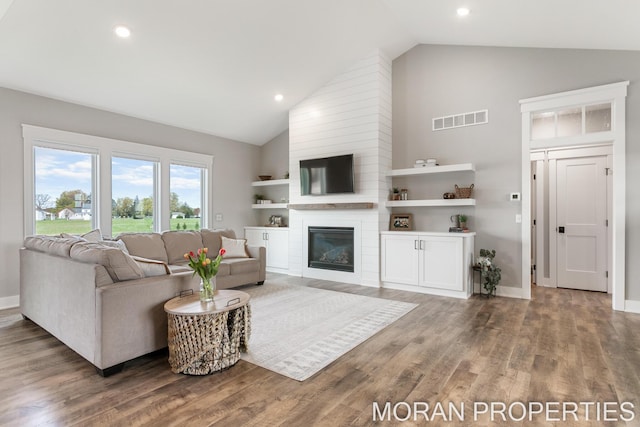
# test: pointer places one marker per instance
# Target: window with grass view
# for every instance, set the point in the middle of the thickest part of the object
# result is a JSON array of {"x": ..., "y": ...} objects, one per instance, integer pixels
[
  {"x": 63, "y": 183},
  {"x": 75, "y": 183},
  {"x": 132, "y": 200},
  {"x": 185, "y": 184}
]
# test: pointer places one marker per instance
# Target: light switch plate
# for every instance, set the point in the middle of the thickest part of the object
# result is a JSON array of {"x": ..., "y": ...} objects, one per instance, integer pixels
[{"x": 218, "y": 217}]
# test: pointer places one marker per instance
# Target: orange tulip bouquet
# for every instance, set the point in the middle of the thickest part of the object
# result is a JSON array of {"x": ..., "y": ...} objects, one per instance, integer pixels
[{"x": 207, "y": 269}]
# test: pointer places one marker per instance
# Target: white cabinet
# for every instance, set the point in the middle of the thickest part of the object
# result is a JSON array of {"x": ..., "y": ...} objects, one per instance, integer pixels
[
  {"x": 435, "y": 263},
  {"x": 400, "y": 258},
  {"x": 276, "y": 241}
]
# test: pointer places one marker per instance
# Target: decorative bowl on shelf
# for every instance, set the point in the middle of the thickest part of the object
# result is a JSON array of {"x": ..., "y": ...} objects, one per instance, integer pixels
[{"x": 264, "y": 177}]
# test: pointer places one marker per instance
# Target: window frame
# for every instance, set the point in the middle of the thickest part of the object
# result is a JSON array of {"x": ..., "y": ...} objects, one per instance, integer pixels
[
  {"x": 103, "y": 150},
  {"x": 156, "y": 179},
  {"x": 205, "y": 189}
]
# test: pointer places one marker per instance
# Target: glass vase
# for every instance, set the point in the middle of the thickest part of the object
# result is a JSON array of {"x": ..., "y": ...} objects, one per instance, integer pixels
[{"x": 207, "y": 289}]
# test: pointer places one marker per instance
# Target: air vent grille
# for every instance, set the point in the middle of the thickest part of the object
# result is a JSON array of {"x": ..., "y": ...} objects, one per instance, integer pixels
[{"x": 459, "y": 120}]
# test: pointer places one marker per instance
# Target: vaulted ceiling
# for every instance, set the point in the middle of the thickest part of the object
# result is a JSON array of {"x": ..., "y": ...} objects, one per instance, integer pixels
[{"x": 214, "y": 66}]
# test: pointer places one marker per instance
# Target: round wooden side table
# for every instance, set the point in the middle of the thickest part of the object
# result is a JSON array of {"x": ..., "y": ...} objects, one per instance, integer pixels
[{"x": 208, "y": 337}]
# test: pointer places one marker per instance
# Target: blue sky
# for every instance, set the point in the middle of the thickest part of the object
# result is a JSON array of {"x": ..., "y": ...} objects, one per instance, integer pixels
[{"x": 58, "y": 171}]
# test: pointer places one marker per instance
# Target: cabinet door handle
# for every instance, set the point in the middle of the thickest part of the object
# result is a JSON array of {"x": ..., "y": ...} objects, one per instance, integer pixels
[
  {"x": 266, "y": 236},
  {"x": 422, "y": 245}
]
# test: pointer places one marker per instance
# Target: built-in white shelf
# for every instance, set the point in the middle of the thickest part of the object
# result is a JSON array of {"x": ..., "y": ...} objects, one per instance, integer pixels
[
  {"x": 270, "y": 182},
  {"x": 429, "y": 202},
  {"x": 269, "y": 206},
  {"x": 463, "y": 167}
]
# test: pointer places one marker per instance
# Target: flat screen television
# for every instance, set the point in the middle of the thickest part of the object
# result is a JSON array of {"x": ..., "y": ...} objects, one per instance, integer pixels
[{"x": 329, "y": 175}]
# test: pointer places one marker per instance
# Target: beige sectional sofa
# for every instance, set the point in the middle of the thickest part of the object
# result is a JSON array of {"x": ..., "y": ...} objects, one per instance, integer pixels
[{"x": 104, "y": 299}]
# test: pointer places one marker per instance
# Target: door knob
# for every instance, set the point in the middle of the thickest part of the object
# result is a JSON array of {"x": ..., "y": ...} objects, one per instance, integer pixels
[{"x": 561, "y": 230}]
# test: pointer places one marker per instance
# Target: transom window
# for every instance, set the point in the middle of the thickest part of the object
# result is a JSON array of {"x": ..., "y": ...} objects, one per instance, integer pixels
[{"x": 568, "y": 122}]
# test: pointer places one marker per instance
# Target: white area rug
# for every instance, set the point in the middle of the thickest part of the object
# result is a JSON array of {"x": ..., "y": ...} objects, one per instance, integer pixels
[{"x": 297, "y": 330}]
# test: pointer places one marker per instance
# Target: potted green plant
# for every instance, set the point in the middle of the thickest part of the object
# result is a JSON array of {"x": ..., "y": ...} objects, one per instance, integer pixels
[
  {"x": 396, "y": 193},
  {"x": 463, "y": 221},
  {"x": 258, "y": 198},
  {"x": 491, "y": 273}
]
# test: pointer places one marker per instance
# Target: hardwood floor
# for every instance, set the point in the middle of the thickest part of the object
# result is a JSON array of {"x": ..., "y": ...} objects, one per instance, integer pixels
[{"x": 563, "y": 345}]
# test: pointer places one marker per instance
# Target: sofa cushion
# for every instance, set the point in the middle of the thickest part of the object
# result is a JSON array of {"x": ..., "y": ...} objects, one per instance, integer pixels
[
  {"x": 174, "y": 268},
  {"x": 119, "y": 265},
  {"x": 53, "y": 245},
  {"x": 234, "y": 248},
  {"x": 211, "y": 239},
  {"x": 241, "y": 265},
  {"x": 224, "y": 269},
  {"x": 146, "y": 245},
  {"x": 178, "y": 243}
]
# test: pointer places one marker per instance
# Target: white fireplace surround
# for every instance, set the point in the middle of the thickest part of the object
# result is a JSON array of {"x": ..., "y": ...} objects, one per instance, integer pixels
[
  {"x": 349, "y": 114},
  {"x": 337, "y": 276}
]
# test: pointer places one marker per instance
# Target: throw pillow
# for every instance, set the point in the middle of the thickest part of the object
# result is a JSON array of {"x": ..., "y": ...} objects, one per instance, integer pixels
[
  {"x": 118, "y": 244},
  {"x": 91, "y": 236},
  {"x": 152, "y": 267},
  {"x": 235, "y": 248},
  {"x": 72, "y": 236}
]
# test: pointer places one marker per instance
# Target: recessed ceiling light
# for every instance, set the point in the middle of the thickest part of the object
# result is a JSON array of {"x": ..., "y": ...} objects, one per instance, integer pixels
[
  {"x": 463, "y": 11},
  {"x": 122, "y": 31},
  {"x": 278, "y": 97}
]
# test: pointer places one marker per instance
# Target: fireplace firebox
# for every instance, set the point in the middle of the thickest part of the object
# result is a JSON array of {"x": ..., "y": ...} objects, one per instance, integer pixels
[{"x": 331, "y": 248}]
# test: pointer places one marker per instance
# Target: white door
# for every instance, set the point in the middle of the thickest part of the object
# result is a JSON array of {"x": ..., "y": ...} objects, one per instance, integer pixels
[
  {"x": 534, "y": 231},
  {"x": 400, "y": 258},
  {"x": 581, "y": 206}
]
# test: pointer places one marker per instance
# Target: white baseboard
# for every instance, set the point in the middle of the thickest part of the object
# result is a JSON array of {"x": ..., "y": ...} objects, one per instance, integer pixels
[
  {"x": 277, "y": 270},
  {"x": 423, "y": 290},
  {"x": 632, "y": 306},
  {"x": 509, "y": 292},
  {"x": 10, "y": 302}
]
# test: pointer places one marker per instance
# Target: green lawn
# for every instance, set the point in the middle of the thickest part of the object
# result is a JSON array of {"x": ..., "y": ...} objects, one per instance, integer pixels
[{"x": 119, "y": 225}]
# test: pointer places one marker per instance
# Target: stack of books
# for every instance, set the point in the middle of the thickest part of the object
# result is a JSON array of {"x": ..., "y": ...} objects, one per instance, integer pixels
[{"x": 421, "y": 163}]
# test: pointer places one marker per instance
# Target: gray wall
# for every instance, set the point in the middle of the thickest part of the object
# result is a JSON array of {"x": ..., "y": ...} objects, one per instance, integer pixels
[
  {"x": 433, "y": 81},
  {"x": 235, "y": 163},
  {"x": 274, "y": 156},
  {"x": 274, "y": 161}
]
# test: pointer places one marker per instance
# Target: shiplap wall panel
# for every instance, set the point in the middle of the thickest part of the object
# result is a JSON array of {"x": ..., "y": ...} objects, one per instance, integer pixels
[{"x": 349, "y": 114}]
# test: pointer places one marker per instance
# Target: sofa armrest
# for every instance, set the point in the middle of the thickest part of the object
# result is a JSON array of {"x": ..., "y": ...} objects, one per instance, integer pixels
[
  {"x": 259, "y": 253},
  {"x": 131, "y": 318}
]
